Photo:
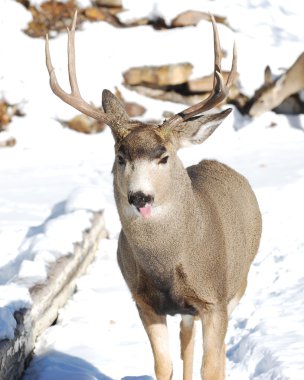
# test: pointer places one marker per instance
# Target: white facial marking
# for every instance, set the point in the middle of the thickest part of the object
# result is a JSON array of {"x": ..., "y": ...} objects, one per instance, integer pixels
[
  {"x": 140, "y": 179},
  {"x": 143, "y": 176}
]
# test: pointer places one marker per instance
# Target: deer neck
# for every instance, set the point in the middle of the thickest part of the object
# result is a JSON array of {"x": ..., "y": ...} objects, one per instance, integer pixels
[
  {"x": 290, "y": 85},
  {"x": 293, "y": 80},
  {"x": 158, "y": 244}
]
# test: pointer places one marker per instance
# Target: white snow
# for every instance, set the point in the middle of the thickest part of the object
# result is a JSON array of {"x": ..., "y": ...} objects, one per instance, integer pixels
[
  {"x": 54, "y": 178},
  {"x": 12, "y": 298}
]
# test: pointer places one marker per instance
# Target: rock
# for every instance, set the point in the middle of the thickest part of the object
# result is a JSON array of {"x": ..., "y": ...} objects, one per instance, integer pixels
[
  {"x": 109, "y": 3},
  {"x": 84, "y": 124},
  {"x": 171, "y": 96},
  {"x": 95, "y": 14},
  {"x": 7, "y": 112},
  {"x": 49, "y": 16},
  {"x": 205, "y": 84},
  {"x": 189, "y": 18},
  {"x": 11, "y": 141},
  {"x": 102, "y": 14},
  {"x": 5, "y": 118},
  {"x": 157, "y": 76},
  {"x": 136, "y": 22},
  {"x": 134, "y": 109}
]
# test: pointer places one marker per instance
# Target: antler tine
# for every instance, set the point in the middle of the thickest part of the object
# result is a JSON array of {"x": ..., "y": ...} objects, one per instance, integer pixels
[
  {"x": 71, "y": 56},
  {"x": 233, "y": 71},
  {"x": 74, "y": 99},
  {"x": 217, "y": 47},
  {"x": 220, "y": 89}
]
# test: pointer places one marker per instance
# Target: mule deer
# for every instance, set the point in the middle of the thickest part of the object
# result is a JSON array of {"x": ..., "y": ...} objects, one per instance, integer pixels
[
  {"x": 273, "y": 92},
  {"x": 188, "y": 235}
]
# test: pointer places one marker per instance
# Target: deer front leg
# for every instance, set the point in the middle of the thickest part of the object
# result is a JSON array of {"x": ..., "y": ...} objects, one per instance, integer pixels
[
  {"x": 214, "y": 331},
  {"x": 156, "y": 328},
  {"x": 187, "y": 333}
]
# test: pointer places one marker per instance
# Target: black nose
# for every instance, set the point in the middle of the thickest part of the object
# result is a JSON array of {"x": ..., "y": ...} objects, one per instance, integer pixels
[{"x": 139, "y": 199}]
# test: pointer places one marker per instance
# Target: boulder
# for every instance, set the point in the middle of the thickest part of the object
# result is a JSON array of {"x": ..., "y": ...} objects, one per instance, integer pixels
[
  {"x": 158, "y": 76},
  {"x": 84, "y": 124},
  {"x": 191, "y": 18}
]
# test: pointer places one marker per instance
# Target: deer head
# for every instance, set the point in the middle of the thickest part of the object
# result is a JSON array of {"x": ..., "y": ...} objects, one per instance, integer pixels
[
  {"x": 156, "y": 144},
  {"x": 268, "y": 95},
  {"x": 274, "y": 91}
]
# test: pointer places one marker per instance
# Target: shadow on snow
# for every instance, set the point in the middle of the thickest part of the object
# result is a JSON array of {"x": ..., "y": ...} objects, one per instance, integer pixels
[{"x": 60, "y": 366}]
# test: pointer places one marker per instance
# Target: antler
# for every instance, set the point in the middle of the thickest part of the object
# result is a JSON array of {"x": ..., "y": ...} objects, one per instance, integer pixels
[
  {"x": 220, "y": 89},
  {"x": 74, "y": 99}
]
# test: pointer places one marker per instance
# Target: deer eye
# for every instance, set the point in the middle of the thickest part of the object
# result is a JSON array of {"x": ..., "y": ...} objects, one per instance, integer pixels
[
  {"x": 163, "y": 160},
  {"x": 121, "y": 161}
]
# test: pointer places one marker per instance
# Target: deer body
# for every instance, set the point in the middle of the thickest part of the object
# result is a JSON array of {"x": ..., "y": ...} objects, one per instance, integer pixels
[
  {"x": 188, "y": 236},
  {"x": 191, "y": 256},
  {"x": 273, "y": 92},
  {"x": 200, "y": 250}
]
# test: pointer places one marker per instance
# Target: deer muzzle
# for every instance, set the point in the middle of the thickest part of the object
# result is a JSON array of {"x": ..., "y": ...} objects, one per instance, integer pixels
[{"x": 142, "y": 202}]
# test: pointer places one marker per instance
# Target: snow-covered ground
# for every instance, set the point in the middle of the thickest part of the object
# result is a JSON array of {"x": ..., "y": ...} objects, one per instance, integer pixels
[{"x": 54, "y": 177}]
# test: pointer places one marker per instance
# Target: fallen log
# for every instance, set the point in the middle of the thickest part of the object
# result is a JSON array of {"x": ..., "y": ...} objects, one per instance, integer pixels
[{"x": 47, "y": 299}]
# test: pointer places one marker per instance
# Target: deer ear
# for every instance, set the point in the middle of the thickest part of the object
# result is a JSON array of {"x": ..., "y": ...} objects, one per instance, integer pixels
[
  {"x": 198, "y": 129},
  {"x": 268, "y": 75},
  {"x": 118, "y": 116},
  {"x": 113, "y": 107}
]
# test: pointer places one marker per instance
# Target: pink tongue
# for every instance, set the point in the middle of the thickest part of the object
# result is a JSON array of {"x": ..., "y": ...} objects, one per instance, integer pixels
[{"x": 145, "y": 211}]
